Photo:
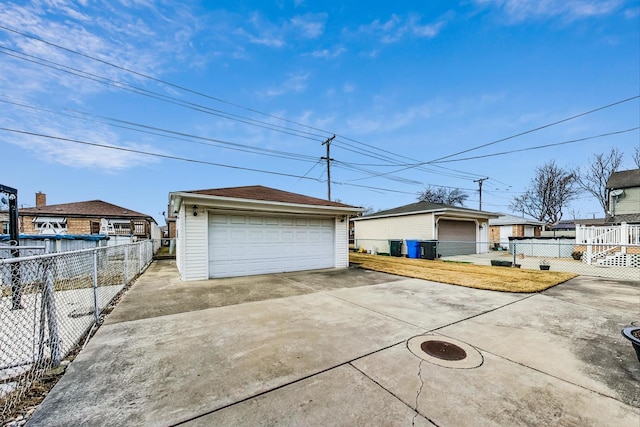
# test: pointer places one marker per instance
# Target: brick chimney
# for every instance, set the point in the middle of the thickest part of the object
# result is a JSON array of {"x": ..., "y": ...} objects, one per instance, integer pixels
[{"x": 41, "y": 199}]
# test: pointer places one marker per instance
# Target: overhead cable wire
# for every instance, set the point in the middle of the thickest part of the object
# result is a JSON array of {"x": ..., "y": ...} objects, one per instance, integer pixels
[
  {"x": 173, "y": 85},
  {"x": 155, "y": 95},
  {"x": 538, "y": 128},
  {"x": 539, "y": 147},
  {"x": 183, "y": 88},
  {"x": 155, "y": 79},
  {"x": 179, "y": 102},
  {"x": 186, "y": 159},
  {"x": 172, "y": 134}
]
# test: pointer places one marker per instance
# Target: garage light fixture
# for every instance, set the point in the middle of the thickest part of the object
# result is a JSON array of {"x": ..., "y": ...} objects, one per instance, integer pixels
[{"x": 195, "y": 210}]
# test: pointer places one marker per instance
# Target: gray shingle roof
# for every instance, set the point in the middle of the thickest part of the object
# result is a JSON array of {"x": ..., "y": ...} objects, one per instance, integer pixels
[
  {"x": 423, "y": 207},
  {"x": 624, "y": 179},
  {"x": 506, "y": 219}
]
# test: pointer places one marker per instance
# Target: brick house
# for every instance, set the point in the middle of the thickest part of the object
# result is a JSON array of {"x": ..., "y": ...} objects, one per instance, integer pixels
[{"x": 90, "y": 217}]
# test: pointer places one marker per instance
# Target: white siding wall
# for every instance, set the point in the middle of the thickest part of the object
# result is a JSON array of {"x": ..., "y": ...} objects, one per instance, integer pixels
[
  {"x": 373, "y": 234},
  {"x": 342, "y": 243},
  {"x": 180, "y": 242},
  {"x": 195, "y": 248},
  {"x": 628, "y": 204}
]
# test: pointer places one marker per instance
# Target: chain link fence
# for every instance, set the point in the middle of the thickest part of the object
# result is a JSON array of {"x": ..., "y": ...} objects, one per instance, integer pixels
[
  {"x": 50, "y": 303},
  {"x": 616, "y": 261}
]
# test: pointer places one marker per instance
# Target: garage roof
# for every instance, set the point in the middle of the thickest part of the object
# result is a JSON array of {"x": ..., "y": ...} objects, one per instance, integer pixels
[
  {"x": 258, "y": 192},
  {"x": 426, "y": 207}
]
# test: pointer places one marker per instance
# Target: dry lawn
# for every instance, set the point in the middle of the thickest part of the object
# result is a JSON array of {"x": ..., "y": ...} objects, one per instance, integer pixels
[{"x": 472, "y": 276}]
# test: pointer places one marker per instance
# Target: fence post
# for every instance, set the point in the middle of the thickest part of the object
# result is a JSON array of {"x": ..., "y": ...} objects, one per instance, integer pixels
[
  {"x": 514, "y": 253},
  {"x": 95, "y": 286},
  {"x": 48, "y": 311},
  {"x": 125, "y": 248}
]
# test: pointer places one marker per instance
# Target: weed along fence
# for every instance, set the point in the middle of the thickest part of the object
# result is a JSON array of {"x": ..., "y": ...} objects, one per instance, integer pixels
[{"x": 50, "y": 302}]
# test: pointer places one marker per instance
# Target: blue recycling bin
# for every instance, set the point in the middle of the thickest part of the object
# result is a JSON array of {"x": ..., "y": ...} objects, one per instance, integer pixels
[{"x": 413, "y": 248}]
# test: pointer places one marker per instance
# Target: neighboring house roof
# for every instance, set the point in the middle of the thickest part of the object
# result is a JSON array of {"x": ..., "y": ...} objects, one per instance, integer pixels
[
  {"x": 424, "y": 207},
  {"x": 258, "y": 192},
  {"x": 624, "y": 179},
  {"x": 89, "y": 209},
  {"x": 592, "y": 221},
  {"x": 633, "y": 218},
  {"x": 506, "y": 219}
]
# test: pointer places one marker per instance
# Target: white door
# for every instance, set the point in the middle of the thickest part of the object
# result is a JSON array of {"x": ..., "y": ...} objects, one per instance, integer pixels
[{"x": 242, "y": 245}]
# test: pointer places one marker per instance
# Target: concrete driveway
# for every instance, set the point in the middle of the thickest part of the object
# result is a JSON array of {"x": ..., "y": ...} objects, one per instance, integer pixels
[{"x": 344, "y": 347}]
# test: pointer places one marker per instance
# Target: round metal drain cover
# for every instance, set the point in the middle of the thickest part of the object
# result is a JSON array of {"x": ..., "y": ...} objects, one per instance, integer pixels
[{"x": 443, "y": 350}]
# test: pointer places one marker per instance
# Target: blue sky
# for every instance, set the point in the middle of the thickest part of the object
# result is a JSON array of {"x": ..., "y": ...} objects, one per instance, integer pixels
[{"x": 250, "y": 89}]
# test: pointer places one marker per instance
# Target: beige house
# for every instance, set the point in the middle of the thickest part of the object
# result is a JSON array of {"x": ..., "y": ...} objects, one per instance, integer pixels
[
  {"x": 242, "y": 231},
  {"x": 617, "y": 242},
  {"x": 623, "y": 190},
  {"x": 90, "y": 217},
  {"x": 457, "y": 230}
]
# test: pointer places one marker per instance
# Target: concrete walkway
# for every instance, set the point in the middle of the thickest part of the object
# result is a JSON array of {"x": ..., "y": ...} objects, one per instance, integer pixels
[{"x": 335, "y": 347}]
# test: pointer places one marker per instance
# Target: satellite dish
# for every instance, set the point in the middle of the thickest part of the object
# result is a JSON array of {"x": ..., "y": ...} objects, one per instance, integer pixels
[{"x": 617, "y": 192}]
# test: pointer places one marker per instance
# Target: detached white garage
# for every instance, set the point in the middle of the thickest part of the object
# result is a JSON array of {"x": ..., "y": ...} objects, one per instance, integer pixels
[{"x": 252, "y": 230}]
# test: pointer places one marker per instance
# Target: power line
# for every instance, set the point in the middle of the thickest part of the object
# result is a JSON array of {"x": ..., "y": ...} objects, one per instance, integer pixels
[
  {"x": 173, "y": 85},
  {"x": 155, "y": 95},
  {"x": 185, "y": 159},
  {"x": 538, "y": 128},
  {"x": 538, "y": 147},
  {"x": 197, "y": 107},
  {"x": 179, "y": 135}
]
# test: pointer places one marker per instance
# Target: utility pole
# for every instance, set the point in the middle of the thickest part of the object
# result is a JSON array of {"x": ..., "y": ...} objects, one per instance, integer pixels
[
  {"x": 480, "y": 181},
  {"x": 328, "y": 159}
]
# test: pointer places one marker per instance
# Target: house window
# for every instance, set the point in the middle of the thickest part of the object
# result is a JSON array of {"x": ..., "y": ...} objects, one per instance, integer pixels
[
  {"x": 53, "y": 224},
  {"x": 5, "y": 228}
]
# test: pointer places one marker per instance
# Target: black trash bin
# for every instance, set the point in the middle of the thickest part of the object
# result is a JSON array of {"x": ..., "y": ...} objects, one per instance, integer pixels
[
  {"x": 428, "y": 249},
  {"x": 395, "y": 247}
]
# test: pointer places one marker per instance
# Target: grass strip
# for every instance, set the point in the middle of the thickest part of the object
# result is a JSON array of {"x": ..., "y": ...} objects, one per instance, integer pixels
[{"x": 490, "y": 278}]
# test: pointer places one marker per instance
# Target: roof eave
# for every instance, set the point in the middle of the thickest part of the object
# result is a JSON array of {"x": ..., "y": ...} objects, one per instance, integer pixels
[
  {"x": 177, "y": 198},
  {"x": 462, "y": 212}
]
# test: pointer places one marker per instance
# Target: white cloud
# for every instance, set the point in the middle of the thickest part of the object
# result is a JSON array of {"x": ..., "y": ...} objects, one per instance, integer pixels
[
  {"x": 295, "y": 82},
  {"x": 262, "y": 32},
  {"x": 77, "y": 154},
  {"x": 379, "y": 120},
  {"x": 124, "y": 39},
  {"x": 311, "y": 25},
  {"x": 328, "y": 53},
  {"x": 632, "y": 13},
  {"x": 348, "y": 88},
  {"x": 519, "y": 10},
  {"x": 397, "y": 28}
]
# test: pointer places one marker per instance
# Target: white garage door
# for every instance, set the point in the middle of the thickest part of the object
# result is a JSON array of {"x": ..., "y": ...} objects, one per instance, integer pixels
[{"x": 241, "y": 245}]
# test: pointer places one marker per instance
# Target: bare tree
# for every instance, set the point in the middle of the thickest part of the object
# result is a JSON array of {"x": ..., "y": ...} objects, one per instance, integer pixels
[
  {"x": 636, "y": 156},
  {"x": 450, "y": 196},
  {"x": 593, "y": 178},
  {"x": 549, "y": 192}
]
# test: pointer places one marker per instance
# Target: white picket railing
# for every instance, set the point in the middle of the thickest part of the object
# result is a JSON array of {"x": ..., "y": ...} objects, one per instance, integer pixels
[{"x": 605, "y": 240}]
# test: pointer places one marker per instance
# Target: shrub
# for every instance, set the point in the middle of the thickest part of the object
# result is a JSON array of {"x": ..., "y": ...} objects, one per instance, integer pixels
[{"x": 577, "y": 255}]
